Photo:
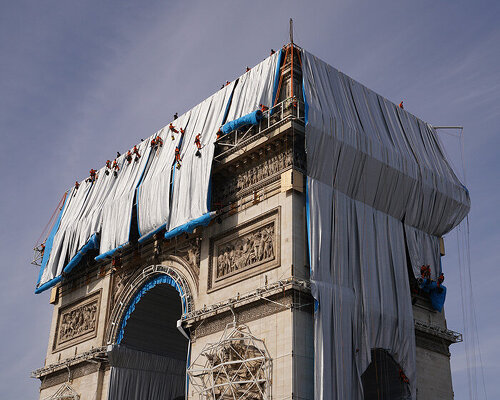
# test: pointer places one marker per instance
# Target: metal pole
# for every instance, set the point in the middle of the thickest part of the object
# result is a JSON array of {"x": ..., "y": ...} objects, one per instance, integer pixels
[{"x": 291, "y": 30}]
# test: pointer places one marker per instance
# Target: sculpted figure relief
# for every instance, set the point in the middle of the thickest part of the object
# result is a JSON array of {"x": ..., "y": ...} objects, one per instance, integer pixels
[
  {"x": 252, "y": 248},
  {"x": 250, "y": 381},
  {"x": 120, "y": 279},
  {"x": 78, "y": 321},
  {"x": 256, "y": 174}
]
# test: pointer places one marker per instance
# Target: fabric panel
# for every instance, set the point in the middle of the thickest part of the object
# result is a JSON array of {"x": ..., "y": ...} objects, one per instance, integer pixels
[
  {"x": 359, "y": 278},
  {"x": 254, "y": 88},
  {"x": 117, "y": 208},
  {"x": 153, "y": 194},
  {"x": 65, "y": 234},
  {"x": 423, "y": 249},
  {"x": 382, "y": 155},
  {"x": 192, "y": 179},
  {"x": 137, "y": 375},
  {"x": 378, "y": 183}
]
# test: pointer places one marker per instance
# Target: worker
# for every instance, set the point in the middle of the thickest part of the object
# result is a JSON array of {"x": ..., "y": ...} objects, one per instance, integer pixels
[
  {"x": 440, "y": 279},
  {"x": 108, "y": 167},
  {"x": 172, "y": 130},
  {"x": 403, "y": 376},
  {"x": 272, "y": 52},
  {"x": 227, "y": 83},
  {"x": 219, "y": 133},
  {"x": 263, "y": 108},
  {"x": 118, "y": 154},
  {"x": 197, "y": 142},
  {"x": 93, "y": 176},
  {"x": 77, "y": 185},
  {"x": 178, "y": 157},
  {"x": 248, "y": 69},
  {"x": 175, "y": 116},
  {"x": 425, "y": 271},
  {"x": 128, "y": 157},
  {"x": 401, "y": 105},
  {"x": 182, "y": 132},
  {"x": 136, "y": 152},
  {"x": 156, "y": 142},
  {"x": 115, "y": 167}
]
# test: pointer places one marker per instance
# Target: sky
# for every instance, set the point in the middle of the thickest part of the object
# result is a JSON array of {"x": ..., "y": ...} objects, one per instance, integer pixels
[{"x": 80, "y": 80}]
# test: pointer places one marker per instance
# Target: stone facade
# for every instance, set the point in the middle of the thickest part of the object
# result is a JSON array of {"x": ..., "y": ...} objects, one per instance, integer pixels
[{"x": 248, "y": 266}]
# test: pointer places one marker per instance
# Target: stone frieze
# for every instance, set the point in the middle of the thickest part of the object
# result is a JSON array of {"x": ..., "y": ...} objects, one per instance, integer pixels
[
  {"x": 245, "y": 251},
  {"x": 77, "y": 322}
]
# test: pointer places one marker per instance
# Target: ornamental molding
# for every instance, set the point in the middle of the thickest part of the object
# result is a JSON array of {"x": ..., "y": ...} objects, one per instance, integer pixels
[
  {"x": 248, "y": 178},
  {"x": 172, "y": 267}
]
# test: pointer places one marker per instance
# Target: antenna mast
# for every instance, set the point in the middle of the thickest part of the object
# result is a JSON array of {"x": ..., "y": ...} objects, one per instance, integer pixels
[{"x": 291, "y": 31}]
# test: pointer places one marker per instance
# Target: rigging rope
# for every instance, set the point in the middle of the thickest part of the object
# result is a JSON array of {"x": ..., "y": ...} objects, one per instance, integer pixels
[
  {"x": 46, "y": 230},
  {"x": 471, "y": 337}
]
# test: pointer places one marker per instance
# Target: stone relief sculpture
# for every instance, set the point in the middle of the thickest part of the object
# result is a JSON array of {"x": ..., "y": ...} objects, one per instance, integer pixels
[
  {"x": 78, "y": 321},
  {"x": 190, "y": 252},
  {"x": 248, "y": 249},
  {"x": 255, "y": 247},
  {"x": 120, "y": 280},
  {"x": 258, "y": 173}
]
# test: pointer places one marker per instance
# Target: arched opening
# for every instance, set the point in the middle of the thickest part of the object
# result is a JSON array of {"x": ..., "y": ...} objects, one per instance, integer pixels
[
  {"x": 383, "y": 379},
  {"x": 149, "y": 358}
]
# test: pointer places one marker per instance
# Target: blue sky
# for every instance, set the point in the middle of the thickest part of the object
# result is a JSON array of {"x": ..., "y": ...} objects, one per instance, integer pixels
[{"x": 80, "y": 80}]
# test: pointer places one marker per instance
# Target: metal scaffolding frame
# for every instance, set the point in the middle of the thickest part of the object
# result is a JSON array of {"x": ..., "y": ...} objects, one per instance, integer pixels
[
  {"x": 290, "y": 109},
  {"x": 65, "y": 392},
  {"x": 236, "y": 367}
]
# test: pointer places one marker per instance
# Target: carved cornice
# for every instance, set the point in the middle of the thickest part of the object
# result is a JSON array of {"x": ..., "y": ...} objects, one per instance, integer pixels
[
  {"x": 291, "y": 298},
  {"x": 93, "y": 356},
  {"x": 75, "y": 372},
  {"x": 255, "y": 171}
]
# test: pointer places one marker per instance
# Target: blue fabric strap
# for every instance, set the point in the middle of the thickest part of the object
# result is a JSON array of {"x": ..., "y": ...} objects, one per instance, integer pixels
[
  {"x": 111, "y": 252},
  {"x": 252, "y": 118},
  {"x": 188, "y": 227},
  {"x": 50, "y": 241},
  {"x": 92, "y": 243},
  {"x": 48, "y": 285}
]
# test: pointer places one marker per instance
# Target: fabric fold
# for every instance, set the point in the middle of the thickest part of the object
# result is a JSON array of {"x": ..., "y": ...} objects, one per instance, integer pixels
[{"x": 378, "y": 186}]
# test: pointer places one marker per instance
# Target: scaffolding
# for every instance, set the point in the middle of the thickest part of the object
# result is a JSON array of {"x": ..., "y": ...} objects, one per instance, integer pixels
[
  {"x": 236, "y": 367},
  {"x": 95, "y": 355},
  {"x": 290, "y": 109},
  {"x": 65, "y": 392}
]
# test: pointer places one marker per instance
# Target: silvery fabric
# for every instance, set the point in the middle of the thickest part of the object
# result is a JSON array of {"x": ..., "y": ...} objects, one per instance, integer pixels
[
  {"x": 105, "y": 207},
  {"x": 378, "y": 183},
  {"x": 138, "y": 375}
]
